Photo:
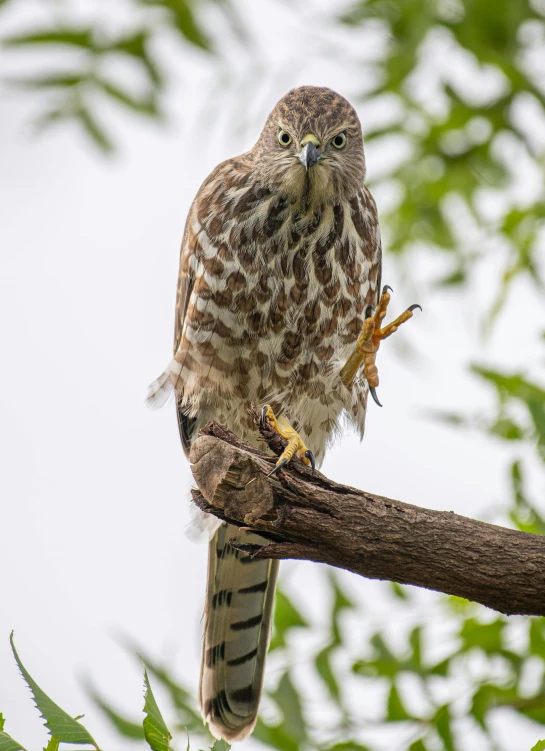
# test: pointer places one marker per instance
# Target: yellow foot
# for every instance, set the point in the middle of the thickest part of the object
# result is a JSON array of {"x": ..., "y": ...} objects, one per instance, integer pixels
[
  {"x": 369, "y": 341},
  {"x": 295, "y": 447}
]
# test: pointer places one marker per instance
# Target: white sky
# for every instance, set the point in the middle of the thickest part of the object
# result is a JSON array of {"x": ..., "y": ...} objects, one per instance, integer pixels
[{"x": 94, "y": 487}]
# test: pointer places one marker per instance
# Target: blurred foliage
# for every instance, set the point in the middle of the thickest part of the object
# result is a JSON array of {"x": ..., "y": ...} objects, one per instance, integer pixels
[
  {"x": 454, "y": 668},
  {"x": 464, "y": 81},
  {"x": 519, "y": 415},
  {"x": 91, "y": 54}
]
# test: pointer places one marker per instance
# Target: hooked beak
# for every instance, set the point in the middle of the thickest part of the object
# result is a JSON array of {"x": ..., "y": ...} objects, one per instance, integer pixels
[{"x": 309, "y": 155}]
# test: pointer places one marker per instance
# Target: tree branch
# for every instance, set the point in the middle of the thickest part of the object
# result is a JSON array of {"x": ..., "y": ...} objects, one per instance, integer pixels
[{"x": 311, "y": 517}]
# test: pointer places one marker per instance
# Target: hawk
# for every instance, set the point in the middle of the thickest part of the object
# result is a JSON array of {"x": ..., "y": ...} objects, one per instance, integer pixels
[{"x": 278, "y": 303}]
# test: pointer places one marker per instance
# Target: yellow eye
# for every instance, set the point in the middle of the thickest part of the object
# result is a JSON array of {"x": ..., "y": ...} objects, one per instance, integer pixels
[
  {"x": 339, "y": 141},
  {"x": 284, "y": 138}
]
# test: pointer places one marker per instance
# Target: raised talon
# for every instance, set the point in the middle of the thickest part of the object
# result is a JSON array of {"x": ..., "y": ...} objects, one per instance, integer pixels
[
  {"x": 368, "y": 342},
  {"x": 373, "y": 392},
  {"x": 296, "y": 445}
]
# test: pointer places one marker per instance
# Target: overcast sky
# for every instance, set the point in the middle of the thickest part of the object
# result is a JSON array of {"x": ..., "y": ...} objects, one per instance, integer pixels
[{"x": 94, "y": 488}]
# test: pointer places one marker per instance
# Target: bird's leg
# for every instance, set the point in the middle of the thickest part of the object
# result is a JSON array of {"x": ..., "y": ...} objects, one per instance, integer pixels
[
  {"x": 296, "y": 446},
  {"x": 369, "y": 340}
]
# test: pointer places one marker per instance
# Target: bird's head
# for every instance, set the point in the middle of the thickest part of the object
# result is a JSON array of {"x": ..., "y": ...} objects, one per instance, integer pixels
[{"x": 312, "y": 147}]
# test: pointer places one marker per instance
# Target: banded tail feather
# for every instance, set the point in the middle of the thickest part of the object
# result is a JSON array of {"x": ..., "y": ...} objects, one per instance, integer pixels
[{"x": 237, "y": 624}]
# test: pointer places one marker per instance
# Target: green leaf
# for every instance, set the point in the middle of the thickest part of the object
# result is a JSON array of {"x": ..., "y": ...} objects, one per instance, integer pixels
[
  {"x": 396, "y": 711},
  {"x": 184, "y": 21},
  {"x": 442, "y": 722},
  {"x": 399, "y": 591},
  {"x": 322, "y": 660},
  {"x": 50, "y": 117},
  {"x": 489, "y": 697},
  {"x": 441, "y": 668},
  {"x": 383, "y": 663},
  {"x": 533, "y": 707},
  {"x": 325, "y": 671},
  {"x": 525, "y": 516},
  {"x": 286, "y": 617},
  {"x": 291, "y": 733},
  {"x": 124, "y": 727},
  {"x": 155, "y": 729},
  {"x": 49, "y": 81},
  {"x": 485, "y": 636},
  {"x": 539, "y": 746},
  {"x": 144, "y": 106},
  {"x": 340, "y": 602},
  {"x": 58, "y": 722},
  {"x": 220, "y": 746},
  {"x": 347, "y": 746},
  {"x": 459, "y": 605},
  {"x": 53, "y": 744},
  {"x": 7, "y": 743},
  {"x": 536, "y": 634},
  {"x": 274, "y": 736},
  {"x": 136, "y": 46},
  {"x": 74, "y": 37},
  {"x": 94, "y": 130},
  {"x": 289, "y": 703},
  {"x": 418, "y": 746},
  {"x": 453, "y": 279},
  {"x": 515, "y": 386},
  {"x": 507, "y": 429},
  {"x": 415, "y": 643},
  {"x": 181, "y": 698}
]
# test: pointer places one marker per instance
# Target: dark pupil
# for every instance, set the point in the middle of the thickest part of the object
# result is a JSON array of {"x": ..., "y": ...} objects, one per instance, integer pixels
[
  {"x": 338, "y": 140},
  {"x": 285, "y": 138}
]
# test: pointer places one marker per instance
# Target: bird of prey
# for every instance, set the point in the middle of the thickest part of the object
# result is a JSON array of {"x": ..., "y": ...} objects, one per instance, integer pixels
[{"x": 278, "y": 303}]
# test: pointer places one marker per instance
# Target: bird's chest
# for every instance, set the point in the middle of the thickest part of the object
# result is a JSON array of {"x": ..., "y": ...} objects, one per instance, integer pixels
[{"x": 301, "y": 299}]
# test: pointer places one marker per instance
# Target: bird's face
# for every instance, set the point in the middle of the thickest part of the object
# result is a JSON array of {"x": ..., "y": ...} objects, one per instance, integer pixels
[{"x": 312, "y": 147}]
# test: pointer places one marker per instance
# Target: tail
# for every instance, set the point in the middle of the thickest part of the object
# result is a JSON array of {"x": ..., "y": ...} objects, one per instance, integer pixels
[{"x": 237, "y": 624}]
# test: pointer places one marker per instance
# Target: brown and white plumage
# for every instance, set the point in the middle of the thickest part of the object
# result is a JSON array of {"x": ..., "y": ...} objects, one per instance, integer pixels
[{"x": 278, "y": 264}]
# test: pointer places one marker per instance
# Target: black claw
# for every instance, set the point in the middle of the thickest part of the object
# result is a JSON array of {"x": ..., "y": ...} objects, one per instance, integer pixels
[
  {"x": 263, "y": 413},
  {"x": 386, "y": 286},
  {"x": 369, "y": 310},
  {"x": 278, "y": 466},
  {"x": 374, "y": 395},
  {"x": 310, "y": 455},
  {"x": 414, "y": 307}
]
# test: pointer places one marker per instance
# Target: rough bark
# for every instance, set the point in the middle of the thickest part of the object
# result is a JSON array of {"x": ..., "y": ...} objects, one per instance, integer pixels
[{"x": 313, "y": 518}]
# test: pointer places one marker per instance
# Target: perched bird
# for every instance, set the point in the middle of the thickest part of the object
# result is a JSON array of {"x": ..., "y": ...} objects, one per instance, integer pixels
[{"x": 278, "y": 303}]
